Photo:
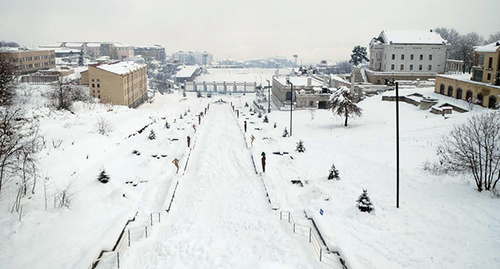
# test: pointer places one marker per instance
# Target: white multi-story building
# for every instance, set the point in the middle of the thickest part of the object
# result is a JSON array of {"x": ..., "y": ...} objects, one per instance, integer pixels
[{"x": 407, "y": 55}]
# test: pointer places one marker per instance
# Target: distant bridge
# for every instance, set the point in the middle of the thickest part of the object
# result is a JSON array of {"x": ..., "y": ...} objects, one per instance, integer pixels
[{"x": 221, "y": 87}]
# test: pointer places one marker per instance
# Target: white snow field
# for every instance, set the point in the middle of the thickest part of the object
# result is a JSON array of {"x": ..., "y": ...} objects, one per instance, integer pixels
[{"x": 220, "y": 217}]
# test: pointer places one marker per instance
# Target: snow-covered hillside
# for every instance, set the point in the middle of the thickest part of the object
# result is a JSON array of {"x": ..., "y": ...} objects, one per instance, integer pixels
[{"x": 442, "y": 222}]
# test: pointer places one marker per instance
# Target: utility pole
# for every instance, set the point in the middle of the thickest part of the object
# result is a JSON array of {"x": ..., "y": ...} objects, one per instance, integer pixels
[{"x": 397, "y": 145}]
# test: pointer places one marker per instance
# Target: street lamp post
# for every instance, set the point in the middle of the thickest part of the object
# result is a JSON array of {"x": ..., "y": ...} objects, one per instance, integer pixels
[
  {"x": 397, "y": 145},
  {"x": 268, "y": 96},
  {"x": 291, "y": 103}
]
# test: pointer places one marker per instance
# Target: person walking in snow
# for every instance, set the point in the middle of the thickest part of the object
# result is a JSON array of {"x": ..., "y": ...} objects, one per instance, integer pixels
[
  {"x": 245, "y": 126},
  {"x": 252, "y": 138},
  {"x": 194, "y": 128},
  {"x": 188, "y": 140},
  {"x": 237, "y": 113},
  {"x": 199, "y": 119},
  {"x": 176, "y": 163},
  {"x": 263, "y": 160}
]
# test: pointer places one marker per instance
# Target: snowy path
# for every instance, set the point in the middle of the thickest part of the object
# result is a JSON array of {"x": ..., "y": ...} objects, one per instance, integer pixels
[{"x": 220, "y": 217}]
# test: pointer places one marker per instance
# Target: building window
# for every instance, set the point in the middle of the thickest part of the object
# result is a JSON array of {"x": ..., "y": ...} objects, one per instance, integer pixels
[
  {"x": 402, "y": 67},
  {"x": 488, "y": 77},
  {"x": 490, "y": 62},
  {"x": 421, "y": 57},
  {"x": 430, "y": 57},
  {"x": 441, "y": 89},
  {"x": 93, "y": 85},
  {"x": 411, "y": 56},
  {"x": 92, "y": 80},
  {"x": 459, "y": 93},
  {"x": 394, "y": 56},
  {"x": 480, "y": 98},
  {"x": 411, "y": 67},
  {"x": 392, "y": 67},
  {"x": 98, "y": 85},
  {"x": 420, "y": 67},
  {"x": 402, "y": 56},
  {"x": 430, "y": 67},
  {"x": 468, "y": 96},
  {"x": 99, "y": 96},
  {"x": 450, "y": 91}
]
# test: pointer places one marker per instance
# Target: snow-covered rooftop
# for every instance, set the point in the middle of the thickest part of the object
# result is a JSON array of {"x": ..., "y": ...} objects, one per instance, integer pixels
[
  {"x": 93, "y": 45},
  {"x": 493, "y": 47},
  {"x": 73, "y": 44},
  {"x": 299, "y": 81},
  {"x": 412, "y": 37},
  {"x": 121, "y": 68},
  {"x": 187, "y": 71}
]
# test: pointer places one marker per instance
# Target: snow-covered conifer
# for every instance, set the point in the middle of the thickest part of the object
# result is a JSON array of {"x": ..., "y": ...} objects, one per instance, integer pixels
[
  {"x": 103, "y": 177},
  {"x": 334, "y": 173},
  {"x": 300, "y": 146},
  {"x": 152, "y": 135},
  {"x": 343, "y": 105},
  {"x": 364, "y": 204}
]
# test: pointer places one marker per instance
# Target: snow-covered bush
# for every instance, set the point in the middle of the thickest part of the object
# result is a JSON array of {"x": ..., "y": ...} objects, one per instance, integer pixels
[
  {"x": 300, "y": 146},
  {"x": 152, "y": 135},
  {"x": 364, "y": 204},
  {"x": 180, "y": 117},
  {"x": 333, "y": 173},
  {"x": 103, "y": 177},
  {"x": 103, "y": 126}
]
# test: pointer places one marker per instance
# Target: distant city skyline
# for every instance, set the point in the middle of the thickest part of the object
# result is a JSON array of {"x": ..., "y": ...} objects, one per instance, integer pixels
[{"x": 240, "y": 29}]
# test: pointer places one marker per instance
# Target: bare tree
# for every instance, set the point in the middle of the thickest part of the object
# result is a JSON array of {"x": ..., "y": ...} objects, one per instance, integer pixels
[
  {"x": 466, "y": 48},
  {"x": 474, "y": 147},
  {"x": 7, "y": 76},
  {"x": 18, "y": 145},
  {"x": 493, "y": 38},
  {"x": 343, "y": 105},
  {"x": 452, "y": 36}
]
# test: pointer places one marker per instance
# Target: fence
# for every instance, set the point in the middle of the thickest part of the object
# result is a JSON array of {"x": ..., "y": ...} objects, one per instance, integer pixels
[
  {"x": 108, "y": 259},
  {"x": 330, "y": 258}
]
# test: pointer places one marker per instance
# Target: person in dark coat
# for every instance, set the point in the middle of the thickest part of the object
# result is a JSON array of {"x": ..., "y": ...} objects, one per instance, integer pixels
[
  {"x": 263, "y": 160},
  {"x": 245, "y": 125},
  {"x": 188, "y": 140}
]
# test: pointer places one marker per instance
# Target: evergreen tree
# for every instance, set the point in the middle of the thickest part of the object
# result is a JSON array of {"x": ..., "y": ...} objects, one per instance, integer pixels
[
  {"x": 300, "y": 146},
  {"x": 266, "y": 120},
  {"x": 334, "y": 173},
  {"x": 167, "y": 125},
  {"x": 285, "y": 132},
  {"x": 358, "y": 55},
  {"x": 103, "y": 177},
  {"x": 343, "y": 105},
  {"x": 152, "y": 135},
  {"x": 364, "y": 204}
]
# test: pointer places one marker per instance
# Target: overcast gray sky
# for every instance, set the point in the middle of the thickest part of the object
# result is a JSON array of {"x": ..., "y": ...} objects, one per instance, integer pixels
[{"x": 240, "y": 29}]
